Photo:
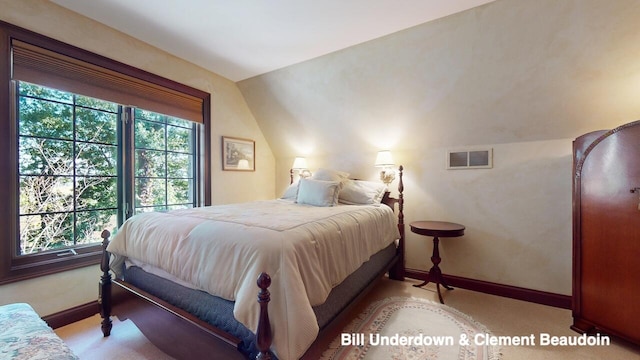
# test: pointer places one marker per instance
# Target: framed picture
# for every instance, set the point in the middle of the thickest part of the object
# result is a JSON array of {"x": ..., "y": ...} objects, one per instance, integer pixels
[{"x": 238, "y": 154}]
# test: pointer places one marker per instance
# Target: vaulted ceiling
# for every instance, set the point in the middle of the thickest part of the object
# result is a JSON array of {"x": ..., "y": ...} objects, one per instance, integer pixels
[{"x": 243, "y": 38}]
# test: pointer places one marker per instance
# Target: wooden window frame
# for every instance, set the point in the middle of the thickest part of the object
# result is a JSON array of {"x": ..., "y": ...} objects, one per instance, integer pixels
[{"x": 16, "y": 268}]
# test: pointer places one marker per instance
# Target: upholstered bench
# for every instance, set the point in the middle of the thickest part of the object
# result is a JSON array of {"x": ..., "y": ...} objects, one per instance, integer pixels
[{"x": 24, "y": 335}]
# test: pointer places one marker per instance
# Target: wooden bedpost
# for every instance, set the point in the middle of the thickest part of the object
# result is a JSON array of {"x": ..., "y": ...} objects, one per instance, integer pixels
[
  {"x": 397, "y": 272},
  {"x": 104, "y": 295},
  {"x": 263, "y": 333}
]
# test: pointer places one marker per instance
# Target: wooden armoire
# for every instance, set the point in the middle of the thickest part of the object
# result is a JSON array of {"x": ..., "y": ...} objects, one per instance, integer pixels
[{"x": 606, "y": 232}]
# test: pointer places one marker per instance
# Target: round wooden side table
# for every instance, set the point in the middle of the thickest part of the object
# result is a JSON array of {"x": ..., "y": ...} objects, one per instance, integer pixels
[{"x": 437, "y": 229}]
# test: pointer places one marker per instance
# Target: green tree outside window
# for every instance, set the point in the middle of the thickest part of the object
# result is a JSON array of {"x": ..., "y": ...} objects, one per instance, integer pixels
[{"x": 71, "y": 158}]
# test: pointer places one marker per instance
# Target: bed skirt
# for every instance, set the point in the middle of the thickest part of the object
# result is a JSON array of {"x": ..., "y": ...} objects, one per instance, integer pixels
[{"x": 219, "y": 312}]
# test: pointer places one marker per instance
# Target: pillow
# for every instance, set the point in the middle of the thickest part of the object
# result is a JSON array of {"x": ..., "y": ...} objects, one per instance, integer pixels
[
  {"x": 359, "y": 192},
  {"x": 291, "y": 192},
  {"x": 318, "y": 192},
  {"x": 330, "y": 175}
]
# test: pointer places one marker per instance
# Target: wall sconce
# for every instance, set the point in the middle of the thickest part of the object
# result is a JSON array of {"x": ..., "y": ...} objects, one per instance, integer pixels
[
  {"x": 300, "y": 165},
  {"x": 385, "y": 161}
]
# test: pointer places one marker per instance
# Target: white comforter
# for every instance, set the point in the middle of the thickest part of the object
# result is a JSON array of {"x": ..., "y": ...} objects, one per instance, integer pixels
[{"x": 222, "y": 249}]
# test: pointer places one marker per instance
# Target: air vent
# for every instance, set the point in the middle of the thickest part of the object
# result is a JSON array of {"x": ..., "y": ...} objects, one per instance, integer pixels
[{"x": 470, "y": 159}]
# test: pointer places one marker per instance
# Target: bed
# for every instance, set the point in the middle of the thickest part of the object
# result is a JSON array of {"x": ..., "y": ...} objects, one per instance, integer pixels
[{"x": 189, "y": 278}]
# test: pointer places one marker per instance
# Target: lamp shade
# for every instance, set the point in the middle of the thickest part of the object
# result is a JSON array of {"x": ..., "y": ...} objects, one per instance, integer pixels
[
  {"x": 384, "y": 158},
  {"x": 299, "y": 163},
  {"x": 243, "y": 164}
]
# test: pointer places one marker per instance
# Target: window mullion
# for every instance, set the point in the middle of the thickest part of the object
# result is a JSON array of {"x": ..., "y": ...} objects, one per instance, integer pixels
[
  {"x": 166, "y": 165},
  {"x": 128, "y": 161},
  {"x": 15, "y": 230},
  {"x": 74, "y": 154},
  {"x": 196, "y": 171}
]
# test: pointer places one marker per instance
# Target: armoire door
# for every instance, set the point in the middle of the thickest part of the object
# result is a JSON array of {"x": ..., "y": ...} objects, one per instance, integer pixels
[{"x": 609, "y": 234}]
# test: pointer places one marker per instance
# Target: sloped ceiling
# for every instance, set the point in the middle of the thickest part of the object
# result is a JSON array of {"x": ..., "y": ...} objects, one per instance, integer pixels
[{"x": 244, "y": 38}]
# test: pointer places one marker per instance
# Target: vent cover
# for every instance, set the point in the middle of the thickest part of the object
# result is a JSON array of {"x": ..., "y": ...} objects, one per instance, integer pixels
[{"x": 470, "y": 159}]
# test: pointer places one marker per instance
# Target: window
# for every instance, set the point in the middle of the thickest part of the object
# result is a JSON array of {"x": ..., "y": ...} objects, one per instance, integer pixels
[
  {"x": 164, "y": 162},
  {"x": 67, "y": 168},
  {"x": 76, "y": 160}
]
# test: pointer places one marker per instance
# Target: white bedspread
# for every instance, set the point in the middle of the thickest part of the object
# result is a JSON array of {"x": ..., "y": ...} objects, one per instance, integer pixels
[{"x": 222, "y": 249}]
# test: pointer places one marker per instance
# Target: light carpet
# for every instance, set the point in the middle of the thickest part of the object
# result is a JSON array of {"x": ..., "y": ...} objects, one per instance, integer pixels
[
  {"x": 125, "y": 343},
  {"x": 412, "y": 328}
]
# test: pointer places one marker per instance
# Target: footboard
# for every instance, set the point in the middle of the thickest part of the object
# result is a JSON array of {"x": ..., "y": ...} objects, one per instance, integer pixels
[
  {"x": 263, "y": 333},
  {"x": 152, "y": 316}
]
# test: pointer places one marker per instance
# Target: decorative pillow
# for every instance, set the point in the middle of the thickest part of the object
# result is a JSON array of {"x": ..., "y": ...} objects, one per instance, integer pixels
[
  {"x": 331, "y": 175},
  {"x": 291, "y": 192},
  {"x": 318, "y": 192},
  {"x": 359, "y": 192}
]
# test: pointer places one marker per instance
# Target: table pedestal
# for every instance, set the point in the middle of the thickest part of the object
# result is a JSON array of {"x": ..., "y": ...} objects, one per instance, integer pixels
[
  {"x": 435, "y": 274},
  {"x": 436, "y": 229}
]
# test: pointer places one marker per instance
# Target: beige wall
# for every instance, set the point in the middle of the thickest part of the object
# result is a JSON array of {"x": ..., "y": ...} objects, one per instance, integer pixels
[
  {"x": 521, "y": 77},
  {"x": 230, "y": 117}
]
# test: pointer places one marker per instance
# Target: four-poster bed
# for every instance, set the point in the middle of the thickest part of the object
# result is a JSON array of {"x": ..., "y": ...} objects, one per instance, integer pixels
[{"x": 310, "y": 281}]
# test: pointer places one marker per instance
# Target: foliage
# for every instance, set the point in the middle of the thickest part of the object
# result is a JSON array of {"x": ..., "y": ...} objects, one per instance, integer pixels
[
  {"x": 68, "y": 164},
  {"x": 164, "y": 161},
  {"x": 67, "y": 187}
]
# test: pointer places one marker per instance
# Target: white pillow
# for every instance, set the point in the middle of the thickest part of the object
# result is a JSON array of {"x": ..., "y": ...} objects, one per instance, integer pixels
[
  {"x": 330, "y": 175},
  {"x": 291, "y": 192},
  {"x": 318, "y": 192},
  {"x": 359, "y": 192}
]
